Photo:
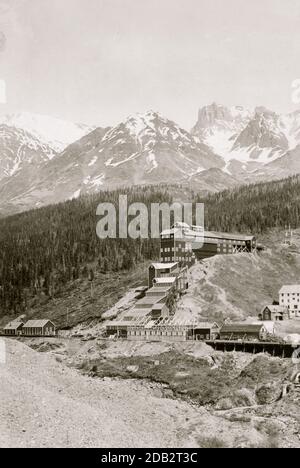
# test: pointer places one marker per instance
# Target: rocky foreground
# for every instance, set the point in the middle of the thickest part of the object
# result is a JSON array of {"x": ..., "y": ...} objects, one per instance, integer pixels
[{"x": 109, "y": 402}]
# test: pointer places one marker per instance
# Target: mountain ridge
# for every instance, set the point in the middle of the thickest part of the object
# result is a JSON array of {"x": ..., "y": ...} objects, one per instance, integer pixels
[{"x": 227, "y": 147}]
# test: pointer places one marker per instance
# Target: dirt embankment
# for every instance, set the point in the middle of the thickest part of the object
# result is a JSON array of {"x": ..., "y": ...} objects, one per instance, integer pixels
[
  {"x": 141, "y": 394},
  {"x": 240, "y": 285}
]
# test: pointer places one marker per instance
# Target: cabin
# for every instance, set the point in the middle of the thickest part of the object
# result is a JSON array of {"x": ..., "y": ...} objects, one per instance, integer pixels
[
  {"x": 244, "y": 332},
  {"x": 274, "y": 313},
  {"x": 39, "y": 328},
  {"x": 13, "y": 328}
]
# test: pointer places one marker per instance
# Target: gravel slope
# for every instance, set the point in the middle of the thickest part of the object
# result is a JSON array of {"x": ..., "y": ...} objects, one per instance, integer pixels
[{"x": 44, "y": 404}]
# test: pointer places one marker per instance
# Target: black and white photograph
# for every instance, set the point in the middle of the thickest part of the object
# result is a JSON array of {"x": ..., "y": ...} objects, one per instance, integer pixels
[{"x": 149, "y": 227}]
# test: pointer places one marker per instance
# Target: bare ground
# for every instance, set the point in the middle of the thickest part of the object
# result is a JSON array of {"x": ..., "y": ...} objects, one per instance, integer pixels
[{"x": 43, "y": 403}]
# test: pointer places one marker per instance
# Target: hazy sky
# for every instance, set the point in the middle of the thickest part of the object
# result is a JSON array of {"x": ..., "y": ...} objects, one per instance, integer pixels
[{"x": 96, "y": 61}]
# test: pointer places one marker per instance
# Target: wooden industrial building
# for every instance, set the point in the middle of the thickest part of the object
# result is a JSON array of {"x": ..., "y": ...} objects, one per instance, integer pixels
[
  {"x": 184, "y": 244},
  {"x": 244, "y": 332},
  {"x": 39, "y": 328},
  {"x": 219, "y": 243},
  {"x": 168, "y": 274},
  {"x": 274, "y": 313},
  {"x": 289, "y": 296},
  {"x": 172, "y": 329},
  {"x": 119, "y": 328},
  {"x": 162, "y": 270},
  {"x": 176, "y": 245},
  {"x": 13, "y": 328}
]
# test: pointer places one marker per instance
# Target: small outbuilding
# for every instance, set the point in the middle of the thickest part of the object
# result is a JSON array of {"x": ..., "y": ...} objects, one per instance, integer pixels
[
  {"x": 274, "y": 313},
  {"x": 13, "y": 328}
]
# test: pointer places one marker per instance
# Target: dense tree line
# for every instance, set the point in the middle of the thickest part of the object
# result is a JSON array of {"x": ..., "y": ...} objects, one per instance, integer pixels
[
  {"x": 43, "y": 249},
  {"x": 255, "y": 208}
]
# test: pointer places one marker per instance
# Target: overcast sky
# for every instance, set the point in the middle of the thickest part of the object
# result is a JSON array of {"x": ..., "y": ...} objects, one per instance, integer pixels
[{"x": 96, "y": 61}]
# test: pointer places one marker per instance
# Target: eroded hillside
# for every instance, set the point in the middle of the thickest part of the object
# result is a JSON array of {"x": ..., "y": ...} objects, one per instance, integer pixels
[{"x": 238, "y": 286}]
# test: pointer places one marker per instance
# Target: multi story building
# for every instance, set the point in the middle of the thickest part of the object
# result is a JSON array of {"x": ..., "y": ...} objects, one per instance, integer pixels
[
  {"x": 176, "y": 245},
  {"x": 184, "y": 244},
  {"x": 168, "y": 274},
  {"x": 289, "y": 296}
]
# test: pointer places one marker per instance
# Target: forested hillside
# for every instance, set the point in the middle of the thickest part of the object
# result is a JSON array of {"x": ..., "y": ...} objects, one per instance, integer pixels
[
  {"x": 43, "y": 251},
  {"x": 255, "y": 208}
]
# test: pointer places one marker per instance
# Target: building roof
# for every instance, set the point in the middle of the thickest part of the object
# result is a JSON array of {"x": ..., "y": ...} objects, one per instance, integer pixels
[
  {"x": 276, "y": 309},
  {"x": 242, "y": 327},
  {"x": 228, "y": 236},
  {"x": 185, "y": 322},
  {"x": 13, "y": 325},
  {"x": 37, "y": 323},
  {"x": 269, "y": 325},
  {"x": 135, "y": 311},
  {"x": 149, "y": 300},
  {"x": 164, "y": 280},
  {"x": 164, "y": 266},
  {"x": 158, "y": 289},
  {"x": 184, "y": 232},
  {"x": 135, "y": 317},
  {"x": 158, "y": 306},
  {"x": 290, "y": 289},
  {"x": 141, "y": 288},
  {"x": 189, "y": 231}
]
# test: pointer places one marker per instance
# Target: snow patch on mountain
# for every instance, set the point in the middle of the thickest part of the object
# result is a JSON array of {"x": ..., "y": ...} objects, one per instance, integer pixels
[
  {"x": 54, "y": 132},
  {"x": 247, "y": 135}
]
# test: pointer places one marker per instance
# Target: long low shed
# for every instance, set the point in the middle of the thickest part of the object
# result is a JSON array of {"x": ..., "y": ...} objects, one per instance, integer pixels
[
  {"x": 170, "y": 330},
  {"x": 39, "y": 328},
  {"x": 244, "y": 331}
]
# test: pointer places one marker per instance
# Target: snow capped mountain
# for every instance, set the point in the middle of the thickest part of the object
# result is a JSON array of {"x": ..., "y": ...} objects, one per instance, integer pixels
[
  {"x": 248, "y": 140},
  {"x": 227, "y": 146},
  {"x": 290, "y": 127},
  {"x": 56, "y": 133},
  {"x": 19, "y": 149},
  {"x": 262, "y": 140},
  {"x": 143, "y": 149},
  {"x": 155, "y": 141}
]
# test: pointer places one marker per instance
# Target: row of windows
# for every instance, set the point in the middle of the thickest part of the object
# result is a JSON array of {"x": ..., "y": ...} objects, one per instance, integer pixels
[
  {"x": 156, "y": 333},
  {"x": 177, "y": 249},
  {"x": 290, "y": 300},
  {"x": 290, "y": 294},
  {"x": 296, "y": 307},
  {"x": 225, "y": 250}
]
